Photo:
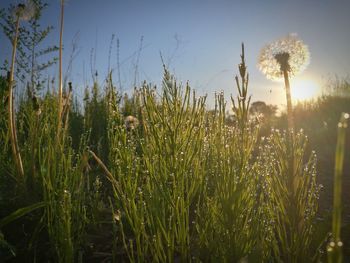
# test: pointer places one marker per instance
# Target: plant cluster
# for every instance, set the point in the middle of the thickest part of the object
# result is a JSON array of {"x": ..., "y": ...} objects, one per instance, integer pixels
[{"x": 157, "y": 177}]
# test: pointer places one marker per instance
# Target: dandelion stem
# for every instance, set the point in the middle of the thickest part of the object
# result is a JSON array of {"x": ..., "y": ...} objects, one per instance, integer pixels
[
  {"x": 290, "y": 123},
  {"x": 12, "y": 123},
  {"x": 292, "y": 178},
  {"x": 289, "y": 101}
]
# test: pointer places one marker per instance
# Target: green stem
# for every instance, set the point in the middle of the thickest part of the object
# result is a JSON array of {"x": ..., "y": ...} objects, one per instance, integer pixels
[
  {"x": 339, "y": 159},
  {"x": 60, "y": 73},
  {"x": 12, "y": 124},
  {"x": 292, "y": 177},
  {"x": 290, "y": 141},
  {"x": 335, "y": 246},
  {"x": 289, "y": 101}
]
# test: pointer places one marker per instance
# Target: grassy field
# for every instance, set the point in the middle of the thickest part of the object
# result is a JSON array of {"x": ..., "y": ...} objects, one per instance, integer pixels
[{"x": 158, "y": 176}]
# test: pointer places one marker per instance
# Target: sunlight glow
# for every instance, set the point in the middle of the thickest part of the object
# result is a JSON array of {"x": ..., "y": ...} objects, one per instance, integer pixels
[{"x": 304, "y": 89}]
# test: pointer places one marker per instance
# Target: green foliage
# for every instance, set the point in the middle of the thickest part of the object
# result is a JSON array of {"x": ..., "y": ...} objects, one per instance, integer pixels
[
  {"x": 228, "y": 228},
  {"x": 19, "y": 213},
  {"x": 35, "y": 36},
  {"x": 63, "y": 188},
  {"x": 292, "y": 200},
  {"x": 3, "y": 112},
  {"x": 182, "y": 184},
  {"x": 32, "y": 58},
  {"x": 266, "y": 114},
  {"x": 54, "y": 178},
  {"x": 95, "y": 121},
  {"x": 319, "y": 121},
  {"x": 76, "y": 125},
  {"x": 156, "y": 187},
  {"x": 229, "y": 219},
  {"x": 187, "y": 184}
]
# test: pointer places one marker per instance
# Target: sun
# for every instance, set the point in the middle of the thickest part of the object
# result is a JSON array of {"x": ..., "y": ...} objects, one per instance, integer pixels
[{"x": 304, "y": 89}]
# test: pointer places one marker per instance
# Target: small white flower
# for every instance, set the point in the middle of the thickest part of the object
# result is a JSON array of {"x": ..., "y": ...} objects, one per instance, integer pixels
[{"x": 288, "y": 53}]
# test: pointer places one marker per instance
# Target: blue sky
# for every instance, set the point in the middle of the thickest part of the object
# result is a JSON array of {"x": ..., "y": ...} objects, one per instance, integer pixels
[{"x": 199, "y": 39}]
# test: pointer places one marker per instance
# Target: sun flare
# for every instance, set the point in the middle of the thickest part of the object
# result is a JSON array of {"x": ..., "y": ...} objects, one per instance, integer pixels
[{"x": 304, "y": 89}]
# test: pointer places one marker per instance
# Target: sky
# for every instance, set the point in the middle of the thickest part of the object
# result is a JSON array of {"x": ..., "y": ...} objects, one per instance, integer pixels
[{"x": 200, "y": 40}]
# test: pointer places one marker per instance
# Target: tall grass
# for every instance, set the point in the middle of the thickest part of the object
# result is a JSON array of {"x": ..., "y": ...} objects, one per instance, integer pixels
[
  {"x": 63, "y": 185},
  {"x": 292, "y": 201},
  {"x": 228, "y": 218},
  {"x": 157, "y": 176},
  {"x": 188, "y": 186},
  {"x": 184, "y": 184},
  {"x": 53, "y": 180}
]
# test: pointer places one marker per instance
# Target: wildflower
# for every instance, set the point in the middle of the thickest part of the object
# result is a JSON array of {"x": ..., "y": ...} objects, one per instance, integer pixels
[
  {"x": 131, "y": 122},
  {"x": 286, "y": 54},
  {"x": 281, "y": 59}
]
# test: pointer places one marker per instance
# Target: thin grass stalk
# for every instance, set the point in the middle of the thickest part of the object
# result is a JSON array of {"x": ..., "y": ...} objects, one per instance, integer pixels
[
  {"x": 12, "y": 124},
  {"x": 334, "y": 249},
  {"x": 292, "y": 211},
  {"x": 60, "y": 72},
  {"x": 63, "y": 184},
  {"x": 65, "y": 112},
  {"x": 228, "y": 219}
]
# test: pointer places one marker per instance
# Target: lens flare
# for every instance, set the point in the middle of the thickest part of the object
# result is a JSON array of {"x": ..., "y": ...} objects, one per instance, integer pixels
[{"x": 305, "y": 89}]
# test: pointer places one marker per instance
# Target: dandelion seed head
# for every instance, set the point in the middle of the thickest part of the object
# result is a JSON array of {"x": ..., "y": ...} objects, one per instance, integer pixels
[
  {"x": 25, "y": 10},
  {"x": 288, "y": 53},
  {"x": 131, "y": 122},
  {"x": 117, "y": 215}
]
